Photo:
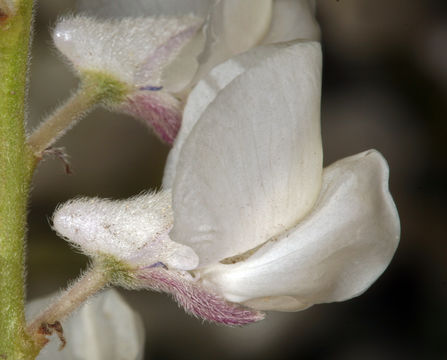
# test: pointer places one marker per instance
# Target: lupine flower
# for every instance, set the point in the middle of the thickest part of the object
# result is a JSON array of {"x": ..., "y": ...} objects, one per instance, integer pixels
[
  {"x": 134, "y": 52},
  {"x": 254, "y": 219},
  {"x": 105, "y": 328},
  {"x": 270, "y": 227}
]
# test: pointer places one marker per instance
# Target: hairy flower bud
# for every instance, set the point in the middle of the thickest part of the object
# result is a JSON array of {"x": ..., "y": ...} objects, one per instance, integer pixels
[{"x": 140, "y": 54}]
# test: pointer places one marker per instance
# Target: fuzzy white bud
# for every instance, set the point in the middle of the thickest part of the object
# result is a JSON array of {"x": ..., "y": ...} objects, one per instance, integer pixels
[
  {"x": 134, "y": 230},
  {"x": 133, "y": 50}
]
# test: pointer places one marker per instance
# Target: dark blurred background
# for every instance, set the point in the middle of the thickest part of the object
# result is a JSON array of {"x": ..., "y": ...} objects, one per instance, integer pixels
[{"x": 384, "y": 87}]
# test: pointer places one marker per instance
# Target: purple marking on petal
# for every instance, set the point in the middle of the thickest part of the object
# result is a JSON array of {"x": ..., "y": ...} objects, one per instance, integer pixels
[
  {"x": 161, "y": 111},
  {"x": 151, "y": 88},
  {"x": 196, "y": 299},
  {"x": 157, "y": 264}
]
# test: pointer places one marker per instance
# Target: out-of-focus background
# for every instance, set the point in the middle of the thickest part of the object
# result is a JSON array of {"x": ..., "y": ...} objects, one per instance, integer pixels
[{"x": 384, "y": 87}]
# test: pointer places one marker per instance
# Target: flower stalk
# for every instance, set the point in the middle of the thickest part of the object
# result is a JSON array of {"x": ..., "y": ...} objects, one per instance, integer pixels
[
  {"x": 16, "y": 166},
  {"x": 94, "y": 89},
  {"x": 87, "y": 285}
]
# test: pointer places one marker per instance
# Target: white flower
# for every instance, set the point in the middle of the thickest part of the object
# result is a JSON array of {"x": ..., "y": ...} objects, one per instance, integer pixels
[
  {"x": 250, "y": 197},
  {"x": 134, "y": 52},
  {"x": 271, "y": 228},
  {"x": 105, "y": 328}
]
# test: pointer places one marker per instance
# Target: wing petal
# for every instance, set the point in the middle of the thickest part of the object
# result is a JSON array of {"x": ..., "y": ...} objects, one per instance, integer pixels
[
  {"x": 205, "y": 92},
  {"x": 251, "y": 167}
]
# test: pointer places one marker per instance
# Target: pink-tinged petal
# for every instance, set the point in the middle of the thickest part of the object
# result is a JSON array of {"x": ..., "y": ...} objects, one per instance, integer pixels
[
  {"x": 195, "y": 299},
  {"x": 159, "y": 110}
]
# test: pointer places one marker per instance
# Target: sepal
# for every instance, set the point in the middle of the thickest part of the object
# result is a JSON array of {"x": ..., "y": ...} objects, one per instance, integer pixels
[
  {"x": 159, "y": 110},
  {"x": 195, "y": 299}
]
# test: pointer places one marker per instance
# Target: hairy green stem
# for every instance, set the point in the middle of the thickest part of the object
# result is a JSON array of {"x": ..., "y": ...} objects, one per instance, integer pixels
[
  {"x": 95, "y": 88},
  {"x": 87, "y": 285},
  {"x": 104, "y": 271},
  {"x": 16, "y": 167},
  {"x": 18, "y": 158},
  {"x": 60, "y": 121}
]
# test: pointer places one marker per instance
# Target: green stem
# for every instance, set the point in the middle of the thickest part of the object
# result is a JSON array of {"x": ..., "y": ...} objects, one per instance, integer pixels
[
  {"x": 61, "y": 120},
  {"x": 95, "y": 88},
  {"x": 87, "y": 285},
  {"x": 16, "y": 167}
]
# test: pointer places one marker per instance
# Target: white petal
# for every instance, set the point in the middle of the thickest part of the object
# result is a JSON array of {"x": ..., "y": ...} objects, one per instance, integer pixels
[
  {"x": 178, "y": 75},
  {"x": 234, "y": 26},
  {"x": 133, "y": 50},
  {"x": 124, "y": 8},
  {"x": 334, "y": 254},
  {"x": 205, "y": 92},
  {"x": 251, "y": 166},
  {"x": 292, "y": 20},
  {"x": 132, "y": 230},
  {"x": 105, "y": 328}
]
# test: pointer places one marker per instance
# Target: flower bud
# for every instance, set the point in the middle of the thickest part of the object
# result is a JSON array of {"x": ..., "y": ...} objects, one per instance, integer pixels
[{"x": 136, "y": 53}]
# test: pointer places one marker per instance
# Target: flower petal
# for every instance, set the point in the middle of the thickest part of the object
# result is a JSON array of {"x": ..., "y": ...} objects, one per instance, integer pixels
[
  {"x": 105, "y": 328},
  {"x": 234, "y": 26},
  {"x": 251, "y": 167},
  {"x": 205, "y": 92},
  {"x": 132, "y": 230},
  {"x": 334, "y": 254},
  {"x": 292, "y": 20}
]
